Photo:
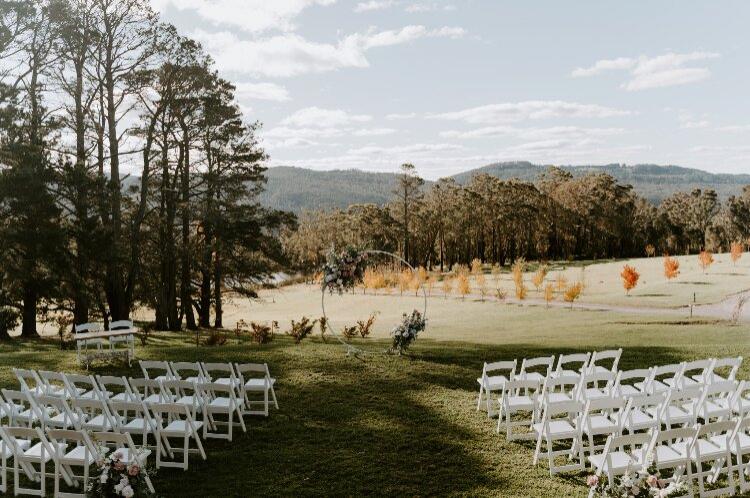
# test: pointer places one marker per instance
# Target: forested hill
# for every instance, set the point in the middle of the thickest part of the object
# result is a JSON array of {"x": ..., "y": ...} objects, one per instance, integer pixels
[{"x": 297, "y": 189}]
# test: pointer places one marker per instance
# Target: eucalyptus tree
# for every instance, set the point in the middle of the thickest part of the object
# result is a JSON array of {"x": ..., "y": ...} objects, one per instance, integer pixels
[{"x": 408, "y": 193}]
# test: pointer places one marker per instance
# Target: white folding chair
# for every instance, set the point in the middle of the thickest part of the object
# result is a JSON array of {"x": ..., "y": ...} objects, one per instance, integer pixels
[
  {"x": 149, "y": 390},
  {"x": 518, "y": 397},
  {"x": 741, "y": 399},
  {"x": 136, "y": 419},
  {"x": 723, "y": 369},
  {"x": 663, "y": 377},
  {"x": 566, "y": 364},
  {"x": 632, "y": 382},
  {"x": 537, "y": 369},
  {"x": 54, "y": 412},
  {"x": 82, "y": 453},
  {"x": 116, "y": 388},
  {"x": 740, "y": 448},
  {"x": 126, "y": 450},
  {"x": 642, "y": 413},
  {"x": 716, "y": 400},
  {"x": 189, "y": 371},
  {"x": 712, "y": 446},
  {"x": 220, "y": 399},
  {"x": 670, "y": 451},
  {"x": 594, "y": 385},
  {"x": 559, "y": 389},
  {"x": 693, "y": 374},
  {"x": 491, "y": 380},
  {"x": 157, "y": 370},
  {"x": 560, "y": 422},
  {"x": 55, "y": 384},
  {"x": 622, "y": 455},
  {"x": 21, "y": 408},
  {"x": 612, "y": 355},
  {"x": 40, "y": 453},
  {"x": 187, "y": 393},
  {"x": 601, "y": 417},
  {"x": 222, "y": 373},
  {"x": 30, "y": 381},
  {"x": 95, "y": 414},
  {"x": 6, "y": 452},
  {"x": 680, "y": 408},
  {"x": 121, "y": 339},
  {"x": 84, "y": 386},
  {"x": 175, "y": 421},
  {"x": 261, "y": 382}
]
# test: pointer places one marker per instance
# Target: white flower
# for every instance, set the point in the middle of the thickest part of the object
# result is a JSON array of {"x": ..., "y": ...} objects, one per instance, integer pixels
[
  {"x": 104, "y": 477},
  {"x": 119, "y": 488},
  {"x": 127, "y": 492}
]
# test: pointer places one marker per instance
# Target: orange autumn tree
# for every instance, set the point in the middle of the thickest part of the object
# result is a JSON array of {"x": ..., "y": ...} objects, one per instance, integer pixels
[
  {"x": 572, "y": 293},
  {"x": 671, "y": 267},
  {"x": 735, "y": 251},
  {"x": 629, "y": 278},
  {"x": 706, "y": 259}
]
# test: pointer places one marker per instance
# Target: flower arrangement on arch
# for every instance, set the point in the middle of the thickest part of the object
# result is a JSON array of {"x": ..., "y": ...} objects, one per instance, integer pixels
[
  {"x": 343, "y": 270},
  {"x": 118, "y": 479},
  {"x": 641, "y": 484},
  {"x": 407, "y": 331}
]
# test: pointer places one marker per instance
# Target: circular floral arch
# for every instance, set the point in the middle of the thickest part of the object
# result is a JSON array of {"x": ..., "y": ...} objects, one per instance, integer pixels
[{"x": 361, "y": 257}]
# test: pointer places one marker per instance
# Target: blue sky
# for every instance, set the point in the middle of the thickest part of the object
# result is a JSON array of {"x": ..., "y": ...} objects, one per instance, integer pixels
[{"x": 451, "y": 85}]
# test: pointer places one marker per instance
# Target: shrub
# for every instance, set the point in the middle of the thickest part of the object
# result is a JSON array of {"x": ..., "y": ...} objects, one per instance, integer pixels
[
  {"x": 261, "y": 333},
  {"x": 239, "y": 328},
  {"x": 629, "y": 278},
  {"x": 301, "y": 329},
  {"x": 365, "y": 327},
  {"x": 501, "y": 294},
  {"x": 463, "y": 285},
  {"x": 549, "y": 293},
  {"x": 539, "y": 276},
  {"x": 572, "y": 293},
  {"x": 650, "y": 250},
  {"x": 215, "y": 338},
  {"x": 481, "y": 285},
  {"x": 476, "y": 266},
  {"x": 671, "y": 267},
  {"x": 323, "y": 323},
  {"x": 349, "y": 332},
  {"x": 705, "y": 259},
  {"x": 518, "y": 268},
  {"x": 736, "y": 250}
]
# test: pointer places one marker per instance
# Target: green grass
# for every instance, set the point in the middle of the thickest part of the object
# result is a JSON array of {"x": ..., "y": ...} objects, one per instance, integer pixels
[{"x": 385, "y": 425}]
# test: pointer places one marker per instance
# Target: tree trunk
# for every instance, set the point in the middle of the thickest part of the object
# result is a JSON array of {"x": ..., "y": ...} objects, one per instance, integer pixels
[
  {"x": 185, "y": 292},
  {"x": 28, "y": 328},
  {"x": 217, "y": 291}
]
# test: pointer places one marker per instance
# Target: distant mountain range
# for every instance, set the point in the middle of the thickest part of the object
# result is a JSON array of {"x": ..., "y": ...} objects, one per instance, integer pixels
[{"x": 297, "y": 189}]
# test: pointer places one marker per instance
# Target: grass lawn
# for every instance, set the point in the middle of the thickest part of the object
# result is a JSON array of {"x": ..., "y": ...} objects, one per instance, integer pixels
[{"x": 387, "y": 425}]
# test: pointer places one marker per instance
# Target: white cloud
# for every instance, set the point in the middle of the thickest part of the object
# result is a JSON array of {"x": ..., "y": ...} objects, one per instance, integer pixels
[
  {"x": 261, "y": 91},
  {"x": 533, "y": 133},
  {"x": 254, "y": 16},
  {"x": 408, "y": 115},
  {"x": 323, "y": 118},
  {"x": 653, "y": 72},
  {"x": 289, "y": 54},
  {"x": 285, "y": 132},
  {"x": 734, "y": 128},
  {"x": 531, "y": 109},
  {"x": 428, "y": 7},
  {"x": 373, "y": 5},
  {"x": 399, "y": 150},
  {"x": 373, "y": 132}
]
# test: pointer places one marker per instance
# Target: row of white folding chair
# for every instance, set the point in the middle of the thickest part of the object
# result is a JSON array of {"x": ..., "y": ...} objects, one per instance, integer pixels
[
  {"x": 32, "y": 448},
  {"x": 715, "y": 449},
  {"x": 494, "y": 375},
  {"x": 247, "y": 378}
]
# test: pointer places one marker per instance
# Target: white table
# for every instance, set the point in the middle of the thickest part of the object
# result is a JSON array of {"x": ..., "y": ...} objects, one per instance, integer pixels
[{"x": 86, "y": 355}]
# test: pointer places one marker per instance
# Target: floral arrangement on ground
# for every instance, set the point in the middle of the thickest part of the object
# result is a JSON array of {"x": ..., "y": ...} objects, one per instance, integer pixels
[
  {"x": 640, "y": 484},
  {"x": 118, "y": 479},
  {"x": 405, "y": 333},
  {"x": 343, "y": 270}
]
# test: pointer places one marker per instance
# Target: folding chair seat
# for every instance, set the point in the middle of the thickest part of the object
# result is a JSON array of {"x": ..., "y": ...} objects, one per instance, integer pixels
[
  {"x": 740, "y": 448},
  {"x": 566, "y": 364},
  {"x": 641, "y": 413},
  {"x": 189, "y": 371},
  {"x": 680, "y": 408},
  {"x": 222, "y": 373},
  {"x": 149, "y": 390},
  {"x": 255, "y": 378},
  {"x": 96, "y": 415},
  {"x": 74, "y": 449},
  {"x": 594, "y": 385},
  {"x": 693, "y": 374},
  {"x": 601, "y": 417},
  {"x": 39, "y": 453},
  {"x": 220, "y": 399},
  {"x": 722, "y": 369},
  {"x": 518, "y": 396},
  {"x": 491, "y": 380},
  {"x": 597, "y": 357},
  {"x": 157, "y": 370},
  {"x": 662, "y": 378},
  {"x": 559, "y": 389},
  {"x": 116, "y": 388},
  {"x": 21, "y": 406},
  {"x": 537, "y": 369},
  {"x": 560, "y": 422},
  {"x": 84, "y": 386},
  {"x": 176, "y": 421},
  {"x": 716, "y": 400},
  {"x": 187, "y": 393},
  {"x": 136, "y": 419},
  {"x": 125, "y": 450},
  {"x": 712, "y": 446},
  {"x": 621, "y": 455},
  {"x": 741, "y": 399},
  {"x": 632, "y": 382}
]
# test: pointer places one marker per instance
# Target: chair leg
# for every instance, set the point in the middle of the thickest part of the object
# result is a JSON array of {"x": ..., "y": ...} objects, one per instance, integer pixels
[
  {"x": 538, "y": 449},
  {"x": 273, "y": 395},
  {"x": 479, "y": 398}
]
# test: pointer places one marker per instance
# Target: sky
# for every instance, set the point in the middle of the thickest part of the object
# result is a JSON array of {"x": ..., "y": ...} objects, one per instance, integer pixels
[{"x": 451, "y": 85}]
